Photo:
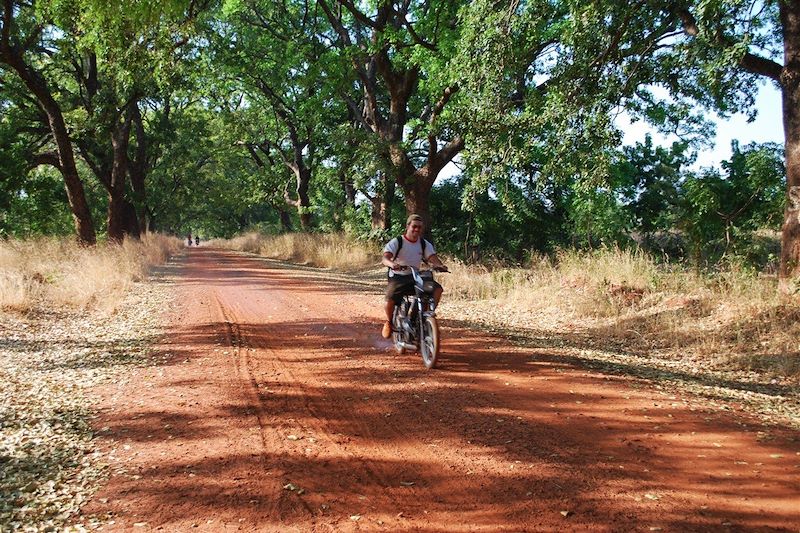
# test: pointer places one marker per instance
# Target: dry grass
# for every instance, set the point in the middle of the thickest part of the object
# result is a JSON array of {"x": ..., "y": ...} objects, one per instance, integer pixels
[
  {"x": 729, "y": 319},
  {"x": 59, "y": 272},
  {"x": 600, "y": 284},
  {"x": 333, "y": 251}
]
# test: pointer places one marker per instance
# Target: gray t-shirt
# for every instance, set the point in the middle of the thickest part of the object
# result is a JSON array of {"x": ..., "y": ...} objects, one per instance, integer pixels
[{"x": 410, "y": 254}]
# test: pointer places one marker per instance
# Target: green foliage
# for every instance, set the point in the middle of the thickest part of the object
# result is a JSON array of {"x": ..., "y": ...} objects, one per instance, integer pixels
[
  {"x": 37, "y": 207},
  {"x": 647, "y": 179},
  {"x": 722, "y": 210},
  {"x": 489, "y": 229},
  {"x": 237, "y": 95}
]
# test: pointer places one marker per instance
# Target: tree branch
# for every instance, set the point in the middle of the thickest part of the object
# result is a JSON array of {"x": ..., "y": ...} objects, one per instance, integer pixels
[
  {"x": 439, "y": 106},
  {"x": 356, "y": 112},
  {"x": 450, "y": 150},
  {"x": 104, "y": 179},
  {"x": 34, "y": 35},
  {"x": 336, "y": 23},
  {"x": 762, "y": 66},
  {"x": 370, "y": 197},
  {"x": 287, "y": 197},
  {"x": 5, "y": 35},
  {"x": 45, "y": 158},
  {"x": 415, "y": 37},
  {"x": 750, "y": 62},
  {"x": 359, "y": 16},
  {"x": 250, "y": 148}
]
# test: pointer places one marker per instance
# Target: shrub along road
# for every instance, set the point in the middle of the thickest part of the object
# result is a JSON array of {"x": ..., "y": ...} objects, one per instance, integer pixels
[{"x": 279, "y": 407}]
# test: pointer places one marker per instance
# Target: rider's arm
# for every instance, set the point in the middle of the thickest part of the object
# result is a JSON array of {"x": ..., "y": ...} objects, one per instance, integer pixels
[
  {"x": 434, "y": 261},
  {"x": 388, "y": 260}
]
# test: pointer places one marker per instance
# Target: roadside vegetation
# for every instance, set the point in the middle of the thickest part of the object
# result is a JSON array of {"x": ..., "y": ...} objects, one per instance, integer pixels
[
  {"x": 50, "y": 272},
  {"x": 326, "y": 250}
]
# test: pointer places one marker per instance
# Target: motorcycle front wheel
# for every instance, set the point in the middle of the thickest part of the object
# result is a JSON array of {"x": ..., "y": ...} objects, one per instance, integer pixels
[
  {"x": 397, "y": 330},
  {"x": 429, "y": 343}
]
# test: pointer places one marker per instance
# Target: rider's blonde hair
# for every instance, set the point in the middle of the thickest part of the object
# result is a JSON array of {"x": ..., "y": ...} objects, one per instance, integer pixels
[{"x": 414, "y": 217}]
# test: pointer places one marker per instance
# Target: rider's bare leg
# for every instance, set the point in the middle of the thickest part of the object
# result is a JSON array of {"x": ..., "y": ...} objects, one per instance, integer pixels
[
  {"x": 437, "y": 295},
  {"x": 389, "y": 310}
]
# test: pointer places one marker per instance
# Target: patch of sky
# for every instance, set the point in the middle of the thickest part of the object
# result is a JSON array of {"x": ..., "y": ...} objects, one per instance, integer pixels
[{"x": 767, "y": 126}]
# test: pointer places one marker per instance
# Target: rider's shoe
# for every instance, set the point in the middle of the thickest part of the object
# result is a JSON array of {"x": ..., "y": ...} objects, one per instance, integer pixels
[{"x": 386, "y": 332}]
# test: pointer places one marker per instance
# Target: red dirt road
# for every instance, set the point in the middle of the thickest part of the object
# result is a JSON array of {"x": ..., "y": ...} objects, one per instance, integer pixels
[{"x": 279, "y": 408}]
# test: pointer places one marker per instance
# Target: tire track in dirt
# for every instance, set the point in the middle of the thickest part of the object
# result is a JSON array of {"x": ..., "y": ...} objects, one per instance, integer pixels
[
  {"x": 385, "y": 435},
  {"x": 400, "y": 492},
  {"x": 300, "y": 402},
  {"x": 280, "y": 506}
]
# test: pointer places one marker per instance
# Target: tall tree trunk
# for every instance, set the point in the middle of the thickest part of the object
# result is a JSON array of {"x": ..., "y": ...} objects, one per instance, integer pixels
[
  {"x": 122, "y": 218},
  {"x": 387, "y": 201},
  {"x": 417, "y": 184},
  {"x": 138, "y": 171},
  {"x": 790, "y": 82},
  {"x": 36, "y": 84},
  {"x": 376, "y": 213},
  {"x": 418, "y": 194},
  {"x": 381, "y": 204},
  {"x": 348, "y": 199},
  {"x": 303, "y": 201},
  {"x": 348, "y": 188},
  {"x": 286, "y": 219},
  {"x": 76, "y": 196}
]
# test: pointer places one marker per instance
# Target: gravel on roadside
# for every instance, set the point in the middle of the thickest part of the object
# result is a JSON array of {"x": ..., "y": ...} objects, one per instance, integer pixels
[
  {"x": 49, "y": 359},
  {"x": 774, "y": 400}
]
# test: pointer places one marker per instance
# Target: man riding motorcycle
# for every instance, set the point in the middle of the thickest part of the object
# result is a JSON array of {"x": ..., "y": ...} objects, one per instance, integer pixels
[{"x": 410, "y": 249}]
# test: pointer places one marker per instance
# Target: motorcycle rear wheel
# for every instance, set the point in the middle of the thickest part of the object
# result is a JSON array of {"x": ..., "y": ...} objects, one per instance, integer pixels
[{"x": 429, "y": 343}]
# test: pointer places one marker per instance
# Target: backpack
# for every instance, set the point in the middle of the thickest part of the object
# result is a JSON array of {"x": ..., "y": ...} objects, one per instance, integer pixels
[{"x": 400, "y": 246}]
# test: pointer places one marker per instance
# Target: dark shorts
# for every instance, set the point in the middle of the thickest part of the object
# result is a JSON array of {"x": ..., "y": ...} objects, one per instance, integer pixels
[{"x": 400, "y": 286}]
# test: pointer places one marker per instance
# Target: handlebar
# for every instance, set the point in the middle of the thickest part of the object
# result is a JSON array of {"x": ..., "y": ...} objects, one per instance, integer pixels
[{"x": 403, "y": 268}]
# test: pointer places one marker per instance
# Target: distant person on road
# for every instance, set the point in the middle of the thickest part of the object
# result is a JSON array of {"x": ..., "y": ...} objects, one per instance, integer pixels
[
  {"x": 197, "y": 240},
  {"x": 188, "y": 239},
  {"x": 408, "y": 250}
]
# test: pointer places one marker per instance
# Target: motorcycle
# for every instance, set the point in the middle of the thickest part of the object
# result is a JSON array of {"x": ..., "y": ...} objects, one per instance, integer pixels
[{"x": 414, "y": 326}]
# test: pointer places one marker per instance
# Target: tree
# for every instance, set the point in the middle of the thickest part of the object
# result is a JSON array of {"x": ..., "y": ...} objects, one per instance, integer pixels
[
  {"x": 747, "y": 37},
  {"x": 572, "y": 63},
  {"x": 23, "y": 35},
  {"x": 400, "y": 92},
  {"x": 32, "y": 196},
  {"x": 118, "y": 55},
  {"x": 726, "y": 207},
  {"x": 529, "y": 125},
  {"x": 648, "y": 181},
  {"x": 272, "y": 52},
  {"x": 95, "y": 62}
]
